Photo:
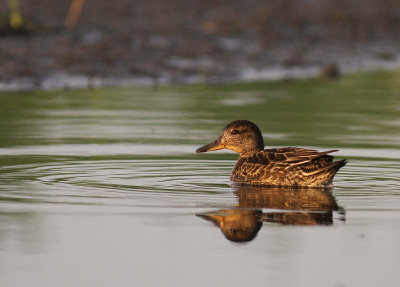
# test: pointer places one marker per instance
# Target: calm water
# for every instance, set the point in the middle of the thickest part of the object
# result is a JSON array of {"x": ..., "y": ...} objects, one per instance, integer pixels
[{"x": 103, "y": 188}]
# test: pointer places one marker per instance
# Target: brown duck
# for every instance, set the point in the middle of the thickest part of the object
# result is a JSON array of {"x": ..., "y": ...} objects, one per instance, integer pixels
[{"x": 288, "y": 166}]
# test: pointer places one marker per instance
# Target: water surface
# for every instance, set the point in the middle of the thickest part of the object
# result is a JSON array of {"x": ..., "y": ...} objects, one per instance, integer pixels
[{"x": 102, "y": 187}]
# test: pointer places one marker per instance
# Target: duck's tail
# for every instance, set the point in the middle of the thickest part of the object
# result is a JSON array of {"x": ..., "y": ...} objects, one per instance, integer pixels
[{"x": 326, "y": 173}]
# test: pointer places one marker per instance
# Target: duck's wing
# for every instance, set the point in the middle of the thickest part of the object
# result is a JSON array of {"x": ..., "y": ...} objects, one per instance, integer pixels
[
  {"x": 286, "y": 166},
  {"x": 291, "y": 156}
]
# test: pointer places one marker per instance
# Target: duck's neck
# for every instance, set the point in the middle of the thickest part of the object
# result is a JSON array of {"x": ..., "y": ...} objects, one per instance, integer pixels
[
  {"x": 253, "y": 146},
  {"x": 251, "y": 152}
]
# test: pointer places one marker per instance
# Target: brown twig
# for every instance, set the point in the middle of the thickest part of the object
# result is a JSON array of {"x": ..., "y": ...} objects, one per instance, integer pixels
[{"x": 74, "y": 13}]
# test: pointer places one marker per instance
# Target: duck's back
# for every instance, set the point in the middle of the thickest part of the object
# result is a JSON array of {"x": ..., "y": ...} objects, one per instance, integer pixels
[{"x": 289, "y": 166}]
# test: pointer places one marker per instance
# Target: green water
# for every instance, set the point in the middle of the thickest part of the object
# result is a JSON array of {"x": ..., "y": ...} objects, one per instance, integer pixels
[{"x": 102, "y": 187}]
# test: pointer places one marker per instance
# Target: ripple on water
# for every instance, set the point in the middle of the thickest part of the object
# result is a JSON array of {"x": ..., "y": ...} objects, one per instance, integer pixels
[
  {"x": 167, "y": 183},
  {"x": 369, "y": 185},
  {"x": 140, "y": 183}
]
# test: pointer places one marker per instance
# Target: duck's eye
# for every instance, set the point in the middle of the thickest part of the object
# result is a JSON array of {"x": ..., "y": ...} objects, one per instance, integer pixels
[{"x": 234, "y": 132}]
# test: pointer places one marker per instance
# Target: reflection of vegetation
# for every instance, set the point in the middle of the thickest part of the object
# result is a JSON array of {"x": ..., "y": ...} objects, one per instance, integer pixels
[
  {"x": 357, "y": 111},
  {"x": 295, "y": 207},
  {"x": 293, "y": 112}
]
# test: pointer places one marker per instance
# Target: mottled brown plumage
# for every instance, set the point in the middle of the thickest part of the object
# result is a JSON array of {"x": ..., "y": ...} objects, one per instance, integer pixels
[
  {"x": 283, "y": 205},
  {"x": 288, "y": 166}
]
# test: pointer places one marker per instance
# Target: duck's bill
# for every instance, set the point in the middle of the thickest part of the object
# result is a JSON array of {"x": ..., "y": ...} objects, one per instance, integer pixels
[
  {"x": 211, "y": 217},
  {"x": 215, "y": 145}
]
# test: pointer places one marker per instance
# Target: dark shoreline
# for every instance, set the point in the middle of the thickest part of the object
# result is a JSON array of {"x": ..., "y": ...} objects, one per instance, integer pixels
[{"x": 144, "y": 43}]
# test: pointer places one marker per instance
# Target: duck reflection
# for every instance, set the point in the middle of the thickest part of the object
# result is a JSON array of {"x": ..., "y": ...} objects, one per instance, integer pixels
[
  {"x": 294, "y": 207},
  {"x": 238, "y": 225}
]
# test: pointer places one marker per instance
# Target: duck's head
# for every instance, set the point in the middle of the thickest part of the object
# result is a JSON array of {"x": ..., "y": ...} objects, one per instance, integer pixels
[{"x": 240, "y": 136}]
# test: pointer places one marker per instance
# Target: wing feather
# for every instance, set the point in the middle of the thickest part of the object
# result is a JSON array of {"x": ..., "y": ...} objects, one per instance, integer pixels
[
  {"x": 291, "y": 155},
  {"x": 289, "y": 166}
]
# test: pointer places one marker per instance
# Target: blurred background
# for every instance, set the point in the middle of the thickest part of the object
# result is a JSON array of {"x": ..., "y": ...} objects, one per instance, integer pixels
[
  {"x": 101, "y": 187},
  {"x": 81, "y": 43}
]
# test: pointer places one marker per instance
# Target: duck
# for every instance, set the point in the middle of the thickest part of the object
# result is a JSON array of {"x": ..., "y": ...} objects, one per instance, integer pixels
[{"x": 285, "y": 167}]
